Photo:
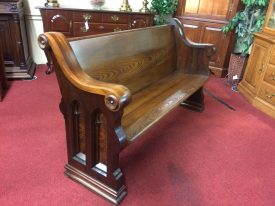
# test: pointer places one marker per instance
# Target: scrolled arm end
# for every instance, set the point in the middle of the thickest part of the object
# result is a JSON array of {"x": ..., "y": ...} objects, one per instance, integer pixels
[
  {"x": 115, "y": 103},
  {"x": 43, "y": 42},
  {"x": 211, "y": 50},
  {"x": 111, "y": 102}
]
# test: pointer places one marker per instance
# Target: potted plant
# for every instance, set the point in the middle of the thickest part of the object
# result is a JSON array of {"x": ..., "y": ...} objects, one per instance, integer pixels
[
  {"x": 164, "y": 10},
  {"x": 245, "y": 23}
]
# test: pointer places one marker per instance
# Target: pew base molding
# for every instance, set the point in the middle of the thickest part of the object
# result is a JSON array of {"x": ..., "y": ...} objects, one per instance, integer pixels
[{"x": 92, "y": 184}]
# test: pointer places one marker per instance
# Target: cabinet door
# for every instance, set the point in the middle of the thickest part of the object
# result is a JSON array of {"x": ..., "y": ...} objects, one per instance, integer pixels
[
  {"x": 222, "y": 9},
  {"x": 207, "y": 32},
  {"x": 60, "y": 21},
  {"x": 204, "y": 19},
  {"x": 97, "y": 28},
  {"x": 11, "y": 39},
  {"x": 211, "y": 33},
  {"x": 192, "y": 30},
  {"x": 7, "y": 45},
  {"x": 256, "y": 64}
]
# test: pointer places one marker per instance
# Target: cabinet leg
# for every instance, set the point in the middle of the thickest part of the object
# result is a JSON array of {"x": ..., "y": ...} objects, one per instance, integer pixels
[
  {"x": 49, "y": 69},
  {"x": 49, "y": 63}
]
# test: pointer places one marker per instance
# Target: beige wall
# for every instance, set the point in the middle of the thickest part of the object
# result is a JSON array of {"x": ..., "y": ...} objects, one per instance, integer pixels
[{"x": 34, "y": 22}]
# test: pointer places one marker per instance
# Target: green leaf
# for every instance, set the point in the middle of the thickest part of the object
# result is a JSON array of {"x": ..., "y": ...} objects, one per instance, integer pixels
[
  {"x": 163, "y": 8},
  {"x": 247, "y": 22}
]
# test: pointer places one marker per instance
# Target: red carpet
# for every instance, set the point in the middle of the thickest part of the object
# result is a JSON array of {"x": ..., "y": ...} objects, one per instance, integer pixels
[{"x": 216, "y": 158}]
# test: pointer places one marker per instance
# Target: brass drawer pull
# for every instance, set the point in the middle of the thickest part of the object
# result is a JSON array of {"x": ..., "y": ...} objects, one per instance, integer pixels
[
  {"x": 101, "y": 27},
  {"x": 273, "y": 76},
  {"x": 117, "y": 29},
  {"x": 231, "y": 7},
  {"x": 87, "y": 17},
  {"x": 86, "y": 27},
  {"x": 270, "y": 96},
  {"x": 115, "y": 18},
  {"x": 83, "y": 29}
]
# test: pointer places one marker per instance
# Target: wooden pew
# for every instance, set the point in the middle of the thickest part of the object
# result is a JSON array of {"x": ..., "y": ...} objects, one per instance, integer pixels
[{"x": 114, "y": 87}]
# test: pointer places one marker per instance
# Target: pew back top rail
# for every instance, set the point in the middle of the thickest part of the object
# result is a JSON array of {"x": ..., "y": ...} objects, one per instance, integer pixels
[{"x": 115, "y": 86}]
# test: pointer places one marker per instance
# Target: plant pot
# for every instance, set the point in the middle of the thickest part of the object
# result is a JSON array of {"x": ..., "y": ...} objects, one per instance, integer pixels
[{"x": 236, "y": 68}]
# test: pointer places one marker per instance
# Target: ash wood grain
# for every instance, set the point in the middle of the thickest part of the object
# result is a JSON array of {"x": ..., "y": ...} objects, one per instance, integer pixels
[
  {"x": 149, "y": 105},
  {"x": 133, "y": 66}
]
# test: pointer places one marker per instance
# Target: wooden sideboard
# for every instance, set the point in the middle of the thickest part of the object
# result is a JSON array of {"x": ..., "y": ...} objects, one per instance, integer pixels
[
  {"x": 75, "y": 22},
  {"x": 203, "y": 21},
  {"x": 18, "y": 62}
]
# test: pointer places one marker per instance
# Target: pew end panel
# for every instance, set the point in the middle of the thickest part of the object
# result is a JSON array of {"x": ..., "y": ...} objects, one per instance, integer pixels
[
  {"x": 192, "y": 58},
  {"x": 114, "y": 87},
  {"x": 92, "y": 111}
]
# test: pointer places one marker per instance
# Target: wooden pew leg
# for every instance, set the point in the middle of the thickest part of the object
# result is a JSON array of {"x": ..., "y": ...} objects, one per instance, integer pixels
[
  {"x": 49, "y": 69},
  {"x": 195, "y": 102},
  {"x": 94, "y": 143}
]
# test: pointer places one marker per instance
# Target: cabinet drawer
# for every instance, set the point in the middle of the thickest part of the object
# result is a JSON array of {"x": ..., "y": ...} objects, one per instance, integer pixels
[
  {"x": 267, "y": 93},
  {"x": 270, "y": 75},
  {"x": 115, "y": 18},
  {"x": 60, "y": 21},
  {"x": 110, "y": 27},
  {"x": 87, "y": 16},
  {"x": 139, "y": 21},
  {"x": 97, "y": 28}
]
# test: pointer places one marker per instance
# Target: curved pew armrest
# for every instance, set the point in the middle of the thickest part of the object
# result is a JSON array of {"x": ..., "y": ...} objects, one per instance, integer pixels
[
  {"x": 115, "y": 95},
  {"x": 210, "y": 48}
]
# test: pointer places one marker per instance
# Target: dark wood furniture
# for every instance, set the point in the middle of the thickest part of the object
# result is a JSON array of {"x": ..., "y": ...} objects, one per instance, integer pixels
[
  {"x": 3, "y": 81},
  {"x": 203, "y": 21},
  {"x": 116, "y": 86},
  {"x": 258, "y": 83},
  {"x": 74, "y": 22},
  {"x": 18, "y": 61}
]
